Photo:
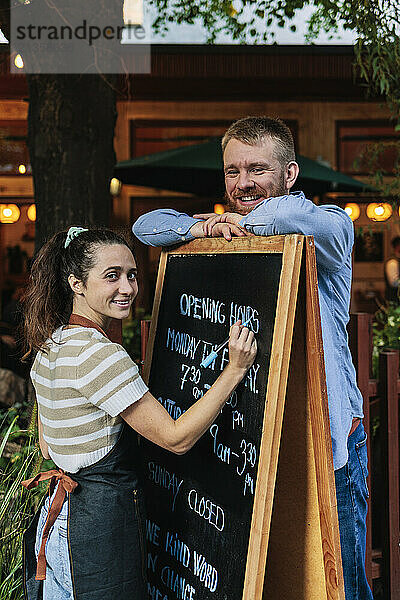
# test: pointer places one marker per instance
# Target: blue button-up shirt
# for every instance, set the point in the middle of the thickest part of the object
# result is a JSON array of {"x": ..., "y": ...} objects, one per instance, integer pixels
[{"x": 333, "y": 237}]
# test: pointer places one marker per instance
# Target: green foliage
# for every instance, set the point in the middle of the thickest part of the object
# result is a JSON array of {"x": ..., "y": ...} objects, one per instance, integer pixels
[
  {"x": 386, "y": 332},
  {"x": 17, "y": 505},
  {"x": 17, "y": 417},
  {"x": 375, "y": 425},
  {"x": 245, "y": 21},
  {"x": 131, "y": 336},
  {"x": 371, "y": 159},
  {"x": 386, "y": 335}
]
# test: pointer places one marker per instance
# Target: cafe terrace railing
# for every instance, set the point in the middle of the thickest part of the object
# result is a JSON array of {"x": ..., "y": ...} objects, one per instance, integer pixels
[
  {"x": 381, "y": 421},
  {"x": 381, "y": 404}
]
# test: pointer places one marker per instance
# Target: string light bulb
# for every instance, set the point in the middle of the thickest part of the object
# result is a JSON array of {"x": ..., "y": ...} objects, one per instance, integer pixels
[
  {"x": 31, "y": 212},
  {"x": 18, "y": 62},
  {"x": 219, "y": 209},
  {"x": 353, "y": 210},
  {"x": 379, "y": 211},
  {"x": 115, "y": 187},
  {"x": 9, "y": 213}
]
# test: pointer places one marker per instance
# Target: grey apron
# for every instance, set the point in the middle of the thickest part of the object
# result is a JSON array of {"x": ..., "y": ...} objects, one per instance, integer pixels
[{"x": 105, "y": 530}]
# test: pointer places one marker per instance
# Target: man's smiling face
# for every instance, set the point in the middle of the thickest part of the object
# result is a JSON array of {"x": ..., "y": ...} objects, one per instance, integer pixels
[{"x": 252, "y": 174}]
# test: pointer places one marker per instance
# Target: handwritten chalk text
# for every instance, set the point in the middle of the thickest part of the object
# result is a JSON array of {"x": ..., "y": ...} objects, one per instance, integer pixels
[
  {"x": 177, "y": 584},
  {"x": 173, "y": 409},
  {"x": 182, "y": 343},
  {"x": 202, "y": 308},
  {"x": 152, "y": 532},
  {"x": 176, "y": 548},
  {"x": 163, "y": 478},
  {"x": 245, "y": 313},
  {"x": 207, "y": 574},
  {"x": 207, "y": 510},
  {"x": 154, "y": 593}
]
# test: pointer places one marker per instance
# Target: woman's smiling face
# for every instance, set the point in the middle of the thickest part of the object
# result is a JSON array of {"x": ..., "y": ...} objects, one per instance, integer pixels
[{"x": 111, "y": 285}]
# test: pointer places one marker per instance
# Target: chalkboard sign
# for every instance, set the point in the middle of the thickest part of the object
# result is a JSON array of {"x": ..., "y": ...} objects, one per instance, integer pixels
[{"x": 208, "y": 511}]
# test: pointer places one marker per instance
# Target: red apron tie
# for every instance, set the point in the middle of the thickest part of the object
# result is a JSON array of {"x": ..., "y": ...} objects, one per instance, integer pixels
[{"x": 66, "y": 484}]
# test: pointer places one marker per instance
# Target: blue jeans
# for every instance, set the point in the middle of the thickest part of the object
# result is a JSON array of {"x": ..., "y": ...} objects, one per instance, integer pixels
[
  {"x": 58, "y": 582},
  {"x": 352, "y": 496}
]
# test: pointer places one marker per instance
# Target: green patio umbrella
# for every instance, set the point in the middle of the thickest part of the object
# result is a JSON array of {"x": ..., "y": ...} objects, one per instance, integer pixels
[{"x": 197, "y": 169}]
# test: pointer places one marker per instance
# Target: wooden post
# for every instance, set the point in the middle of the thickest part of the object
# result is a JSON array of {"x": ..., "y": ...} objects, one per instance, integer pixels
[
  {"x": 144, "y": 336},
  {"x": 114, "y": 331},
  {"x": 389, "y": 432},
  {"x": 360, "y": 341},
  {"x": 318, "y": 402}
]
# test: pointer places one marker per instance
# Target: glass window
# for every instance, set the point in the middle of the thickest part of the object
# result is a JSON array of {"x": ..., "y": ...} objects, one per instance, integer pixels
[
  {"x": 149, "y": 137},
  {"x": 357, "y": 145}
]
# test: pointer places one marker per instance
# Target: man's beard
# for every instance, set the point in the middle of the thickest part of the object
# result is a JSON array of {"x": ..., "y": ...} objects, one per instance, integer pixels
[{"x": 274, "y": 190}]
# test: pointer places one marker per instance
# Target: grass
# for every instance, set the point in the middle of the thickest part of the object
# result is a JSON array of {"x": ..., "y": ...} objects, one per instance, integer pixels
[{"x": 17, "y": 505}]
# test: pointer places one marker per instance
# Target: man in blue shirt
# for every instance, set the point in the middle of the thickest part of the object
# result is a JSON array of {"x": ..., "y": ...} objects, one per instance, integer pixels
[{"x": 260, "y": 170}]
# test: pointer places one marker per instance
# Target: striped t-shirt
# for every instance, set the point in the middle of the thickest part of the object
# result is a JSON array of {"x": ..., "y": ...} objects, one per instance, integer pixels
[{"x": 82, "y": 385}]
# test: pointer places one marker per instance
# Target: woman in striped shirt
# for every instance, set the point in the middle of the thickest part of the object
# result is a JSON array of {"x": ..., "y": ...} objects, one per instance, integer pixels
[{"x": 91, "y": 399}]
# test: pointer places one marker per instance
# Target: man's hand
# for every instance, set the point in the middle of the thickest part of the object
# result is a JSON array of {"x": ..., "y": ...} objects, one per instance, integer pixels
[
  {"x": 227, "y": 230},
  {"x": 197, "y": 230},
  {"x": 211, "y": 219},
  {"x": 215, "y": 226}
]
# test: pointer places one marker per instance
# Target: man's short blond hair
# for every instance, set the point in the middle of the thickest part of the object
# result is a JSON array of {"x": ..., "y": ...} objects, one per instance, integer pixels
[{"x": 253, "y": 130}]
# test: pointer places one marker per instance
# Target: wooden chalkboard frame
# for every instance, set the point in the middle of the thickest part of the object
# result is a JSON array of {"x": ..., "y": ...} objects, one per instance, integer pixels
[{"x": 298, "y": 256}]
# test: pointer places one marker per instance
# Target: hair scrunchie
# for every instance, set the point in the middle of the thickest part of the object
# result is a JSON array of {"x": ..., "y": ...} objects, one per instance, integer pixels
[{"x": 72, "y": 233}]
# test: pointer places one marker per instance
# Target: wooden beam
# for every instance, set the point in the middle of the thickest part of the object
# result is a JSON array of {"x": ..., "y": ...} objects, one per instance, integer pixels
[
  {"x": 16, "y": 185},
  {"x": 389, "y": 435}
]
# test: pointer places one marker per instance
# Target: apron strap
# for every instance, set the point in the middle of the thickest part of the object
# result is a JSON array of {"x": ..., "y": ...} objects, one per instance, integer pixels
[
  {"x": 114, "y": 331},
  {"x": 66, "y": 484}
]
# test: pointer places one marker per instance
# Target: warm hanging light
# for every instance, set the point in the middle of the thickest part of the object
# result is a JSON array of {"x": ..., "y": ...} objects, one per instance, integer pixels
[
  {"x": 9, "y": 213},
  {"x": 379, "y": 212},
  {"x": 31, "y": 212},
  {"x": 115, "y": 187},
  {"x": 22, "y": 169},
  {"x": 18, "y": 62},
  {"x": 219, "y": 209},
  {"x": 353, "y": 210}
]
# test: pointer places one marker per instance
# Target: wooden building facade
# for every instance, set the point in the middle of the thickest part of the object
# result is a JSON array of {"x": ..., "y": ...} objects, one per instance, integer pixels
[{"x": 194, "y": 92}]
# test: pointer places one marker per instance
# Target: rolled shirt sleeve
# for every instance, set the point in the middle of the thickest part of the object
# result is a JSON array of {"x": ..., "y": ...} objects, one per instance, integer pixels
[
  {"x": 330, "y": 225},
  {"x": 164, "y": 227}
]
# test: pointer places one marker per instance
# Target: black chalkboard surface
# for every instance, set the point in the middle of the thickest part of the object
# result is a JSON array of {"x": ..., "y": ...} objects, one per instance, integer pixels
[
  {"x": 208, "y": 511},
  {"x": 210, "y": 490}
]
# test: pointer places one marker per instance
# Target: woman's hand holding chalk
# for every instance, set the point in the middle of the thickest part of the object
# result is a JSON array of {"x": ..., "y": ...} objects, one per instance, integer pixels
[{"x": 211, "y": 357}]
